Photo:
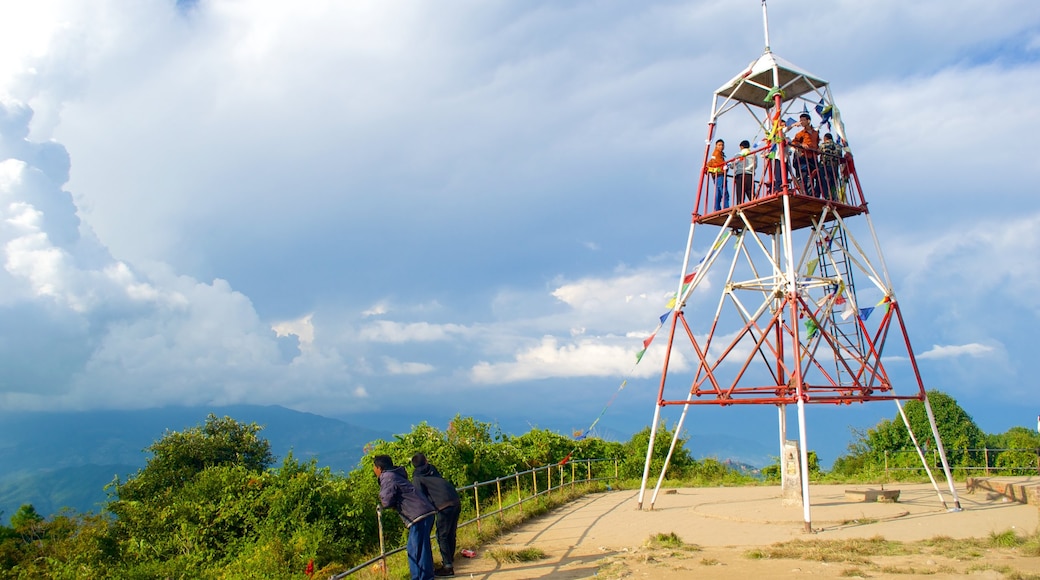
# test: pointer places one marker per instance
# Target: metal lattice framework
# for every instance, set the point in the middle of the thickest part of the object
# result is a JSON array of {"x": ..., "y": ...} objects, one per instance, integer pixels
[{"x": 806, "y": 312}]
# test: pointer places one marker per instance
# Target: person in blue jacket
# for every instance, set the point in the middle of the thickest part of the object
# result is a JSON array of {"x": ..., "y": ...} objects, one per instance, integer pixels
[{"x": 417, "y": 513}]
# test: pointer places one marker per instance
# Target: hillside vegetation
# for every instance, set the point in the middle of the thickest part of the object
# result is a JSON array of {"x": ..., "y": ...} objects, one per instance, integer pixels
[{"x": 211, "y": 503}]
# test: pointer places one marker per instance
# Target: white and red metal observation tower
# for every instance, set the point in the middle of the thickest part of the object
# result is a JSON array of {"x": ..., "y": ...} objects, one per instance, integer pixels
[{"x": 805, "y": 311}]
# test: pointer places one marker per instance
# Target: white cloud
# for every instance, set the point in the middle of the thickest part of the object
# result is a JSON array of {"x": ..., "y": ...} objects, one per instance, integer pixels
[
  {"x": 376, "y": 310},
  {"x": 302, "y": 328},
  {"x": 399, "y": 332},
  {"x": 395, "y": 367},
  {"x": 954, "y": 351},
  {"x": 550, "y": 359}
]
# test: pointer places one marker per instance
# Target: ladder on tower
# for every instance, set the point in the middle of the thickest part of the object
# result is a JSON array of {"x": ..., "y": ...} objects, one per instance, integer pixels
[{"x": 847, "y": 331}]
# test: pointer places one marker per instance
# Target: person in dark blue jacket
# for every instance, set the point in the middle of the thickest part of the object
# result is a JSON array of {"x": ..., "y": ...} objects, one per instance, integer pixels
[
  {"x": 396, "y": 492},
  {"x": 443, "y": 495}
]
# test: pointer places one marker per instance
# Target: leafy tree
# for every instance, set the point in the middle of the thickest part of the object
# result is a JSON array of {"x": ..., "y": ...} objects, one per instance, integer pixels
[
  {"x": 635, "y": 454},
  {"x": 66, "y": 545},
  {"x": 539, "y": 447},
  {"x": 195, "y": 498},
  {"x": 961, "y": 437},
  {"x": 179, "y": 456},
  {"x": 1017, "y": 448},
  {"x": 27, "y": 522}
]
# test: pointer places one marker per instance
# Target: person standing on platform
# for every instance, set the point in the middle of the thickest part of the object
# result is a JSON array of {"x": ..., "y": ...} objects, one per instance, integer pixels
[
  {"x": 806, "y": 143},
  {"x": 443, "y": 495},
  {"x": 830, "y": 162},
  {"x": 396, "y": 492},
  {"x": 717, "y": 169},
  {"x": 744, "y": 174}
]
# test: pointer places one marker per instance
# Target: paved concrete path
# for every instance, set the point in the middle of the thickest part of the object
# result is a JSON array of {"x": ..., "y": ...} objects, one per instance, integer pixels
[{"x": 579, "y": 534}]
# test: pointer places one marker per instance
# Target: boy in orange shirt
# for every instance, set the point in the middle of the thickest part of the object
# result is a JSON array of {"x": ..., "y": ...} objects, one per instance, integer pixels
[{"x": 717, "y": 169}]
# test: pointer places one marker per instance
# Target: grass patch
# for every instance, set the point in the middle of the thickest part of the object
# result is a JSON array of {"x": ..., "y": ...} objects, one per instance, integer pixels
[
  {"x": 710, "y": 562},
  {"x": 1005, "y": 539},
  {"x": 1031, "y": 547},
  {"x": 489, "y": 528},
  {"x": 860, "y": 551},
  {"x": 967, "y": 549},
  {"x": 1008, "y": 572},
  {"x": 670, "y": 541},
  {"x": 909, "y": 570},
  {"x": 504, "y": 555},
  {"x": 852, "y": 551},
  {"x": 612, "y": 569}
]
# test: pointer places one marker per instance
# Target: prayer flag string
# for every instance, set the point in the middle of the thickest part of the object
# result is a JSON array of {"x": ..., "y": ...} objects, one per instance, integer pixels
[{"x": 687, "y": 280}]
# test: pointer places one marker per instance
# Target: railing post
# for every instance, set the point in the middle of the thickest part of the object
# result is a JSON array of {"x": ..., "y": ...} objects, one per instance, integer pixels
[
  {"x": 548, "y": 478},
  {"x": 572, "y": 476},
  {"x": 887, "y": 476},
  {"x": 498, "y": 485},
  {"x": 519, "y": 493},
  {"x": 476, "y": 500},
  {"x": 382, "y": 549},
  {"x": 589, "y": 464},
  {"x": 985, "y": 457},
  {"x": 534, "y": 479}
]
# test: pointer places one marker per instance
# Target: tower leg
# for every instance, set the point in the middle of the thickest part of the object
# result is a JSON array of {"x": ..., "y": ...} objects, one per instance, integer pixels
[
  {"x": 942, "y": 453},
  {"x": 805, "y": 465},
  {"x": 668, "y": 458},
  {"x": 920, "y": 453},
  {"x": 649, "y": 455},
  {"x": 781, "y": 412}
]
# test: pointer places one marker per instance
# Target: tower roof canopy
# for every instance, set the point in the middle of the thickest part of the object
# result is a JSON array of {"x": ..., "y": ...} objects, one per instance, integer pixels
[{"x": 753, "y": 85}]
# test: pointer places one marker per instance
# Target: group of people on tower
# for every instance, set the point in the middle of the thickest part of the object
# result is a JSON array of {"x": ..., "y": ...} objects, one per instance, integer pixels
[{"x": 816, "y": 169}]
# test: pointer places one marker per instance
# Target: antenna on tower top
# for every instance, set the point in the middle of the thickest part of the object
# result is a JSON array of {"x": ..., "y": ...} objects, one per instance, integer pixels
[{"x": 765, "y": 23}]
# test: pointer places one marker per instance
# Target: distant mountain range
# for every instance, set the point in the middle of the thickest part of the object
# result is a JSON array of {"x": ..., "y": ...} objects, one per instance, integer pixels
[{"x": 56, "y": 460}]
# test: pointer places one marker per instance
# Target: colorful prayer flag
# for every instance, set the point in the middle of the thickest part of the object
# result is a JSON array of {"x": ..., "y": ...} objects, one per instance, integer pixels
[
  {"x": 824, "y": 111},
  {"x": 849, "y": 310}
]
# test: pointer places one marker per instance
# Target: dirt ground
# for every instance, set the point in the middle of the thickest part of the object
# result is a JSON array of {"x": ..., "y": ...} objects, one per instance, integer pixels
[{"x": 606, "y": 536}]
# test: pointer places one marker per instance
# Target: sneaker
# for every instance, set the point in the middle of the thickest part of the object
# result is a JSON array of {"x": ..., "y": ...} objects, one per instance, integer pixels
[{"x": 444, "y": 572}]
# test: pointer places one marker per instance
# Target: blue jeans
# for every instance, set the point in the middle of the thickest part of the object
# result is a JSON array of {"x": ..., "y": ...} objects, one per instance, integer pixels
[
  {"x": 420, "y": 554},
  {"x": 721, "y": 192}
]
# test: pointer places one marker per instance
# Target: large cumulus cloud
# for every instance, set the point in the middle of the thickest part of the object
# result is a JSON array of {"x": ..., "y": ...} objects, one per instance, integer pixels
[{"x": 83, "y": 329}]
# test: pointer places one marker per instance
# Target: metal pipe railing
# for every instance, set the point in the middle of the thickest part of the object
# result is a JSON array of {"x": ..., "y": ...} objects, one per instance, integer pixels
[{"x": 498, "y": 499}]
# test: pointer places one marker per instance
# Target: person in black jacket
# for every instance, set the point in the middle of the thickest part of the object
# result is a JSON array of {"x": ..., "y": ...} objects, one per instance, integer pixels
[
  {"x": 443, "y": 495},
  {"x": 417, "y": 513}
]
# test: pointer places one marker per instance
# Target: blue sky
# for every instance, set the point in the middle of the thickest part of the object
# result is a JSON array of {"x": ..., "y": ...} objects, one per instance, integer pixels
[{"x": 402, "y": 209}]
